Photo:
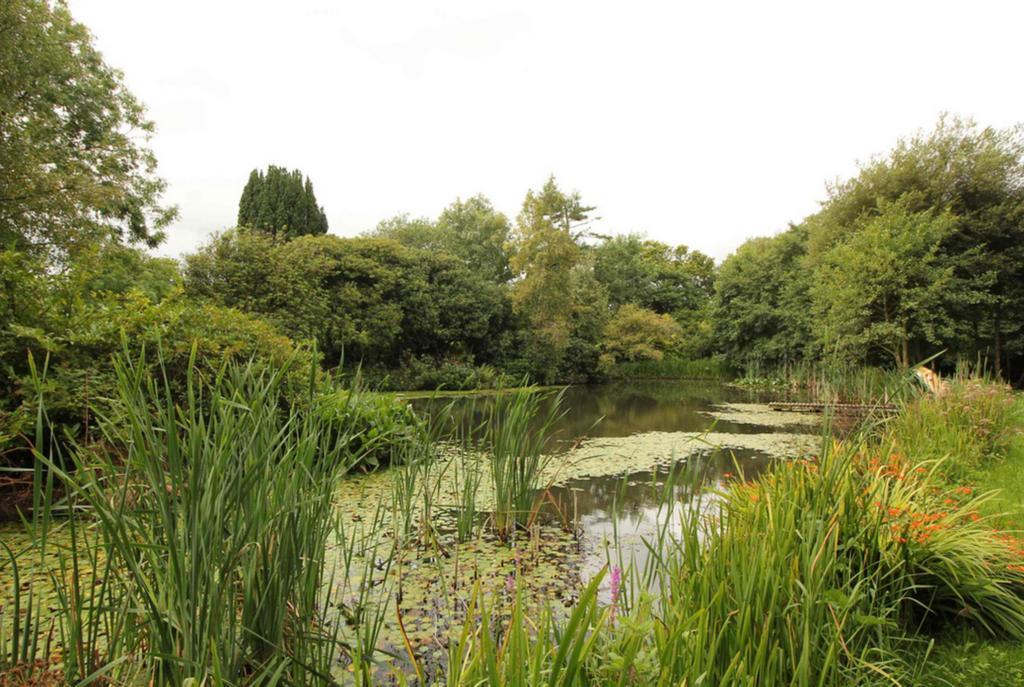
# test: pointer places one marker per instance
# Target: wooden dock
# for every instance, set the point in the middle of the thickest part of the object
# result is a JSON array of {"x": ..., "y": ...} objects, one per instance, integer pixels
[{"x": 835, "y": 408}]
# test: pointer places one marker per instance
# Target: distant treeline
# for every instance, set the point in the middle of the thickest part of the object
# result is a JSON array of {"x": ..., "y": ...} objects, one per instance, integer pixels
[{"x": 470, "y": 296}]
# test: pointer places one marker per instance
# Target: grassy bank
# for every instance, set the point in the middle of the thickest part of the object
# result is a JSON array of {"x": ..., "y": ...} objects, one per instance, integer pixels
[{"x": 992, "y": 464}]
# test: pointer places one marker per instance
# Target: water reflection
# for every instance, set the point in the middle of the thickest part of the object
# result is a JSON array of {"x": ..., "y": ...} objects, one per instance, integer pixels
[
  {"x": 621, "y": 409},
  {"x": 635, "y": 507}
]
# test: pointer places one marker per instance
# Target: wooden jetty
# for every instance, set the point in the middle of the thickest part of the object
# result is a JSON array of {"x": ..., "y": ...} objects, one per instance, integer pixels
[{"x": 835, "y": 408}]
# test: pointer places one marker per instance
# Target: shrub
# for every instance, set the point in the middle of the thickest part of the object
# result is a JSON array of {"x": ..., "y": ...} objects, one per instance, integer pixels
[
  {"x": 78, "y": 353},
  {"x": 638, "y": 334},
  {"x": 385, "y": 426}
]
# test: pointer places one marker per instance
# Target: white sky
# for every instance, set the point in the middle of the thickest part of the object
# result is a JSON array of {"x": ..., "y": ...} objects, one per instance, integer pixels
[{"x": 696, "y": 123}]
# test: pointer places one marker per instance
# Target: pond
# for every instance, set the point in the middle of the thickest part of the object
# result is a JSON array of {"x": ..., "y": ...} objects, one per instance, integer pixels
[{"x": 613, "y": 449}]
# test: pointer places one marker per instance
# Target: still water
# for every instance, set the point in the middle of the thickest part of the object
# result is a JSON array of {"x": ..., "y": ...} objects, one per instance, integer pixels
[{"x": 627, "y": 437}]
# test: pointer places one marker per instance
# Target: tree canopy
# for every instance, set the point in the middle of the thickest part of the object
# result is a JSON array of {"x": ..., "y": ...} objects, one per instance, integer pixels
[
  {"x": 74, "y": 164},
  {"x": 921, "y": 252}
]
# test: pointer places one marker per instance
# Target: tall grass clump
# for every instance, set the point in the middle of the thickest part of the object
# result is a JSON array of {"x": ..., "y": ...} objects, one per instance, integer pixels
[
  {"x": 525, "y": 652},
  {"x": 212, "y": 516},
  {"x": 823, "y": 573},
  {"x": 834, "y": 382},
  {"x": 834, "y": 571},
  {"x": 971, "y": 426},
  {"x": 518, "y": 432}
]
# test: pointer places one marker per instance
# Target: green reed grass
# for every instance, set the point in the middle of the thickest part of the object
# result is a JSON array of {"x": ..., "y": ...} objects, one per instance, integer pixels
[
  {"x": 518, "y": 432},
  {"x": 835, "y": 383},
  {"x": 212, "y": 516},
  {"x": 835, "y": 571}
]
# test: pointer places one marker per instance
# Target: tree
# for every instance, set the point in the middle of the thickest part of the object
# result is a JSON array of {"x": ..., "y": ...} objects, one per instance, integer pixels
[
  {"x": 479, "y": 235},
  {"x": 760, "y": 312},
  {"x": 74, "y": 167},
  {"x": 368, "y": 300},
  {"x": 412, "y": 232},
  {"x": 281, "y": 203},
  {"x": 472, "y": 231},
  {"x": 977, "y": 176},
  {"x": 545, "y": 254},
  {"x": 884, "y": 288},
  {"x": 635, "y": 333},
  {"x": 667, "y": 280}
]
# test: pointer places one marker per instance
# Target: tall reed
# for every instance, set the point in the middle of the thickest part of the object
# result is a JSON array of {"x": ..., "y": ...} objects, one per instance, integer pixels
[
  {"x": 213, "y": 517},
  {"x": 519, "y": 429}
]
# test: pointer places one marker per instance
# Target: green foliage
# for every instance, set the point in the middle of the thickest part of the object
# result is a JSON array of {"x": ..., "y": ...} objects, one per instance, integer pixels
[
  {"x": 385, "y": 426},
  {"x": 365, "y": 299},
  {"x": 835, "y": 382},
  {"x": 532, "y": 652},
  {"x": 74, "y": 168},
  {"x": 478, "y": 234},
  {"x": 516, "y": 437},
  {"x": 281, "y": 203},
  {"x": 832, "y": 571},
  {"x": 972, "y": 427},
  {"x": 59, "y": 319},
  {"x": 673, "y": 368},
  {"x": 634, "y": 334},
  {"x": 762, "y": 301},
  {"x": 426, "y": 373},
  {"x": 471, "y": 230},
  {"x": 212, "y": 518},
  {"x": 668, "y": 280},
  {"x": 553, "y": 294},
  {"x": 920, "y": 252},
  {"x": 884, "y": 285}
]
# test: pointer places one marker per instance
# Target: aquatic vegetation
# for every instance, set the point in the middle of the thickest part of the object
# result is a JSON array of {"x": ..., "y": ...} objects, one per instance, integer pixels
[
  {"x": 211, "y": 520},
  {"x": 762, "y": 415},
  {"x": 976, "y": 423},
  {"x": 515, "y": 446},
  {"x": 834, "y": 382},
  {"x": 673, "y": 368},
  {"x": 834, "y": 567}
]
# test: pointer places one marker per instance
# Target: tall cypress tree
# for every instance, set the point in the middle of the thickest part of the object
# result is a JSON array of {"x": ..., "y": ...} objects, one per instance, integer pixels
[{"x": 281, "y": 203}]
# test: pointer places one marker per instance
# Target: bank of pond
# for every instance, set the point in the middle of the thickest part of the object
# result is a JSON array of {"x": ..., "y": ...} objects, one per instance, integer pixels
[{"x": 658, "y": 532}]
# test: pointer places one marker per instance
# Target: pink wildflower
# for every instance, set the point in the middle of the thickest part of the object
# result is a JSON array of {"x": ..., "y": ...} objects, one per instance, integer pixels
[{"x": 616, "y": 588}]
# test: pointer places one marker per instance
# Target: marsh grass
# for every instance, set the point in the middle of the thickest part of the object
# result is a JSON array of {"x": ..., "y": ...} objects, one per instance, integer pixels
[
  {"x": 837, "y": 570},
  {"x": 835, "y": 383},
  {"x": 840, "y": 570},
  {"x": 198, "y": 533},
  {"x": 519, "y": 428}
]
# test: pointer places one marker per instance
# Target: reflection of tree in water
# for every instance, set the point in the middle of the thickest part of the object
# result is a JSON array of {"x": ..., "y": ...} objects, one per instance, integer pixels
[
  {"x": 620, "y": 409},
  {"x": 628, "y": 496}
]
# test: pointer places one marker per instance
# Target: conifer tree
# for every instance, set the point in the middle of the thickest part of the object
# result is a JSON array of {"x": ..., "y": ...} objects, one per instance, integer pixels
[{"x": 281, "y": 203}]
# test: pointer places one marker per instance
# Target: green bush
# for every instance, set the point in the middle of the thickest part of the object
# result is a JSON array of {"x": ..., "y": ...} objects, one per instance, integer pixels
[
  {"x": 77, "y": 351},
  {"x": 386, "y": 427},
  {"x": 675, "y": 368},
  {"x": 423, "y": 373}
]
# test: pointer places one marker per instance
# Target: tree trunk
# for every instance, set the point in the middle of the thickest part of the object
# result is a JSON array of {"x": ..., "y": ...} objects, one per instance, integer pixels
[{"x": 996, "y": 325}]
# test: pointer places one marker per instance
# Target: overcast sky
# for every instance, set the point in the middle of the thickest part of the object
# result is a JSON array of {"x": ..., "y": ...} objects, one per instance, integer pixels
[{"x": 696, "y": 123}]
